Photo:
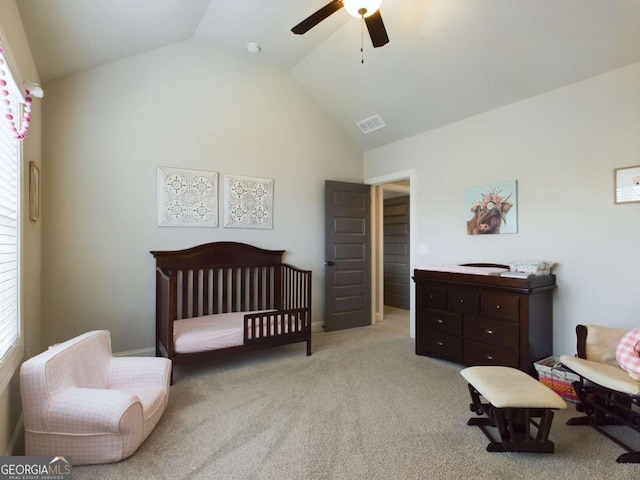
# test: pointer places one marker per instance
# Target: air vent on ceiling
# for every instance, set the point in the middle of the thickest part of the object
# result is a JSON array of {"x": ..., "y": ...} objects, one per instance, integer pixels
[{"x": 370, "y": 124}]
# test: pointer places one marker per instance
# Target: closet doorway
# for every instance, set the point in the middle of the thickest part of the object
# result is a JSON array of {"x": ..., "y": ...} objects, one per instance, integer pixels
[
  {"x": 395, "y": 248},
  {"x": 392, "y": 243}
]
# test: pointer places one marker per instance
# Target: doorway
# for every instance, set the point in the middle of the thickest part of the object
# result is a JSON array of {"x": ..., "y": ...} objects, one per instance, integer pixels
[
  {"x": 399, "y": 183},
  {"x": 395, "y": 248}
]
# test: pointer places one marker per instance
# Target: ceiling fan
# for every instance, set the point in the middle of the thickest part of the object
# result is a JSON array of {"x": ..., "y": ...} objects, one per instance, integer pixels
[{"x": 368, "y": 10}]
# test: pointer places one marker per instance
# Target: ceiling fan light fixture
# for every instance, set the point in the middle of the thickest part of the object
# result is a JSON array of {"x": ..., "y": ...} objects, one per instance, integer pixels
[{"x": 361, "y": 8}]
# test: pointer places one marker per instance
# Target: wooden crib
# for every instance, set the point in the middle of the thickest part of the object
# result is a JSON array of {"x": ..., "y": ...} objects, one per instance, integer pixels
[{"x": 224, "y": 297}]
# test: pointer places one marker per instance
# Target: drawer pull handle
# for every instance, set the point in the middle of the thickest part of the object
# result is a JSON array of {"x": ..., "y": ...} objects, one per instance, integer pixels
[
  {"x": 461, "y": 300},
  {"x": 498, "y": 307},
  {"x": 489, "y": 332},
  {"x": 440, "y": 344},
  {"x": 489, "y": 357},
  {"x": 431, "y": 296},
  {"x": 439, "y": 320}
]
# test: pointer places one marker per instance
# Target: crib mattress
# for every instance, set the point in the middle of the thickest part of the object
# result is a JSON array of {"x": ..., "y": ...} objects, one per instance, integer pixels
[{"x": 210, "y": 332}]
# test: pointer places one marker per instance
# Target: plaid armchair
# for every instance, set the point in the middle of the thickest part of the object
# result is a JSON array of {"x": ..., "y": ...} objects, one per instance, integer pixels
[{"x": 80, "y": 401}]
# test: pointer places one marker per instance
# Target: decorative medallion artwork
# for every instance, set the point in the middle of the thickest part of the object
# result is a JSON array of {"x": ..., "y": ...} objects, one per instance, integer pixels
[
  {"x": 187, "y": 198},
  {"x": 248, "y": 202},
  {"x": 492, "y": 208}
]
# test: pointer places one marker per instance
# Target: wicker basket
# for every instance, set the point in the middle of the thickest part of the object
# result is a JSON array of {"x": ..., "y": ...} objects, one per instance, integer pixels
[{"x": 555, "y": 376}]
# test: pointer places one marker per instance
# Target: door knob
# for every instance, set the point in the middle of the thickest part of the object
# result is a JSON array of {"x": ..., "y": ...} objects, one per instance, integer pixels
[{"x": 329, "y": 263}]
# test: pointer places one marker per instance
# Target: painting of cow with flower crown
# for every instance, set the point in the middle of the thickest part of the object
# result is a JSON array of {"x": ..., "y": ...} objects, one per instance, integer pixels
[{"x": 492, "y": 208}]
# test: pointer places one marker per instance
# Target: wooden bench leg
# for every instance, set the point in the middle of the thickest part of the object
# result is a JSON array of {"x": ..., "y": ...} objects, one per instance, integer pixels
[{"x": 514, "y": 426}]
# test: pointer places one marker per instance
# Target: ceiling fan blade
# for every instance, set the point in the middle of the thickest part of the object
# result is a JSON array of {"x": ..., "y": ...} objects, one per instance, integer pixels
[
  {"x": 310, "y": 22},
  {"x": 377, "y": 32}
]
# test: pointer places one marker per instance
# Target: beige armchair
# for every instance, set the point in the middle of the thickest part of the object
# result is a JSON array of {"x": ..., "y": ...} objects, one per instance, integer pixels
[
  {"x": 81, "y": 402},
  {"x": 607, "y": 394}
]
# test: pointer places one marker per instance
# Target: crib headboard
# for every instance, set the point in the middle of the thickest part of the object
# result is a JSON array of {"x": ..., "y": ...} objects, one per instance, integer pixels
[
  {"x": 218, "y": 255},
  {"x": 222, "y": 277}
]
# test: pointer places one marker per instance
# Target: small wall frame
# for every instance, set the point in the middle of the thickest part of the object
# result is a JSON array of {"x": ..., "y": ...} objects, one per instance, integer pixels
[
  {"x": 626, "y": 184},
  {"x": 34, "y": 192}
]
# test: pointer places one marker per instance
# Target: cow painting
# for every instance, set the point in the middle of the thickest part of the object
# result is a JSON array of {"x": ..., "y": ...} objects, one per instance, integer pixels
[{"x": 490, "y": 208}]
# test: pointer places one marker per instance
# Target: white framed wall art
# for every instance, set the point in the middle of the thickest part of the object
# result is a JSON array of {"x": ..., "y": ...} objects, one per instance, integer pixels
[
  {"x": 187, "y": 198},
  {"x": 248, "y": 202}
]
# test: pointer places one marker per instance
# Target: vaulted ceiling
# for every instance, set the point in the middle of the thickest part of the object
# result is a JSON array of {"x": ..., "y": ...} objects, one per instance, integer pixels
[{"x": 446, "y": 59}]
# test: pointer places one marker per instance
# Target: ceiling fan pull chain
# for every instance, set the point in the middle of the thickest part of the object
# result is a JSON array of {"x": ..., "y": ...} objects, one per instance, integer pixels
[{"x": 362, "y": 40}]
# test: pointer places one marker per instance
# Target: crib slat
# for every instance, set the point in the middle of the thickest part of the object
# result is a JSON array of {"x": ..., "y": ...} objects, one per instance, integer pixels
[
  {"x": 214, "y": 291},
  {"x": 293, "y": 300},
  {"x": 195, "y": 289},
  {"x": 244, "y": 303},
  {"x": 225, "y": 290},
  {"x": 233, "y": 300},
  {"x": 233, "y": 290},
  {"x": 293, "y": 294},
  {"x": 260, "y": 305},
  {"x": 205, "y": 292},
  {"x": 185, "y": 293},
  {"x": 219, "y": 289},
  {"x": 284, "y": 276},
  {"x": 268, "y": 289},
  {"x": 252, "y": 289}
]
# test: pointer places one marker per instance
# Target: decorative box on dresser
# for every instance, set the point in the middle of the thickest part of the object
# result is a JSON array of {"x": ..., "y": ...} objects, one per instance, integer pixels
[{"x": 484, "y": 319}]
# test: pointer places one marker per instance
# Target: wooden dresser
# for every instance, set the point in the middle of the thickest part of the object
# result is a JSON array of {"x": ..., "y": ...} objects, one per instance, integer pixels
[{"x": 484, "y": 319}]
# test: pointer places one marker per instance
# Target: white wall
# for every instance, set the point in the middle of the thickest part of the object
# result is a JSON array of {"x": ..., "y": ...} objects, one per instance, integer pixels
[
  {"x": 562, "y": 148},
  {"x": 106, "y": 132},
  {"x": 10, "y": 404}
]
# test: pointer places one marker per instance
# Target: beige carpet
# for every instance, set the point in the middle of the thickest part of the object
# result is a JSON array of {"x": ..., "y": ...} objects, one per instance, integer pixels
[{"x": 363, "y": 406}]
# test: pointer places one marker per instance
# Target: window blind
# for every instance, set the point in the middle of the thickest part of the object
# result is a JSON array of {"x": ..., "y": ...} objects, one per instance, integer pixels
[
  {"x": 11, "y": 341},
  {"x": 9, "y": 215}
]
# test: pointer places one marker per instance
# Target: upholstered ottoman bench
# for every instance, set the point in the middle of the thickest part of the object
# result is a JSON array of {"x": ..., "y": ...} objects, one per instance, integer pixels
[{"x": 515, "y": 401}]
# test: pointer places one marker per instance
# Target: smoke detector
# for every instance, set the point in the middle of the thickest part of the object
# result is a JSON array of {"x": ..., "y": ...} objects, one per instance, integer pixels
[{"x": 253, "y": 47}]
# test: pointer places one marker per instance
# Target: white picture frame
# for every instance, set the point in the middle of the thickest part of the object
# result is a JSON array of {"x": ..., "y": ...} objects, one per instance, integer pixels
[{"x": 626, "y": 184}]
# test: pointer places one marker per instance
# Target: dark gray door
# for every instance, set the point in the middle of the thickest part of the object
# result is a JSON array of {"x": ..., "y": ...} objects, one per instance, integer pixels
[
  {"x": 347, "y": 255},
  {"x": 396, "y": 252}
]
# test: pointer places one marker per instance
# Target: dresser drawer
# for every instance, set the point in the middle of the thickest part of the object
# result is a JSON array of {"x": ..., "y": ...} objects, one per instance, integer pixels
[
  {"x": 495, "y": 332},
  {"x": 441, "y": 345},
  {"x": 430, "y": 296},
  {"x": 463, "y": 301},
  {"x": 476, "y": 353},
  {"x": 446, "y": 322},
  {"x": 500, "y": 305}
]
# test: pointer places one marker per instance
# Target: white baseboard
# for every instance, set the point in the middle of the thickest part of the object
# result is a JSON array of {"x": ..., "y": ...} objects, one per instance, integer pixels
[
  {"x": 18, "y": 435},
  {"x": 141, "y": 352}
]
